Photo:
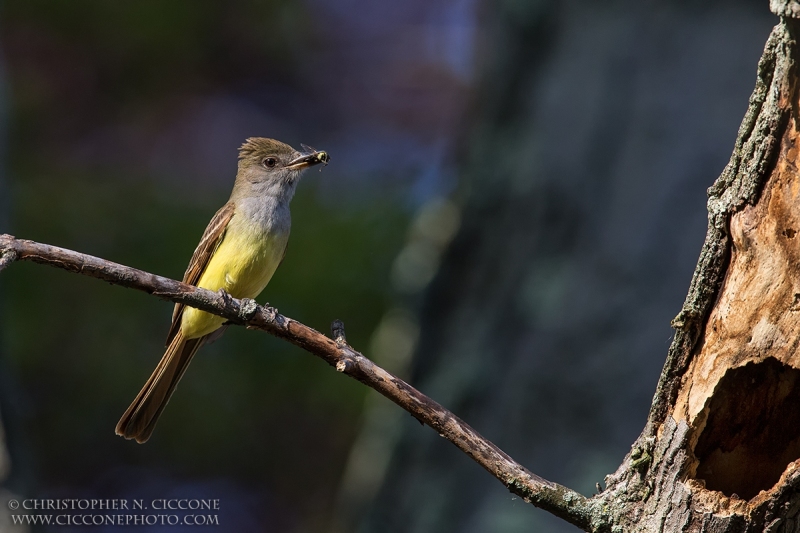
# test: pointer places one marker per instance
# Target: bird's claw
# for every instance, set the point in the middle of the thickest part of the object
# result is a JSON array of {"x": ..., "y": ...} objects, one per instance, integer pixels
[{"x": 225, "y": 295}]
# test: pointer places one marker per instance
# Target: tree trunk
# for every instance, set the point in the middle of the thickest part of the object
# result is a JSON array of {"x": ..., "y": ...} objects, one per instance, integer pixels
[
  {"x": 539, "y": 328},
  {"x": 722, "y": 446}
]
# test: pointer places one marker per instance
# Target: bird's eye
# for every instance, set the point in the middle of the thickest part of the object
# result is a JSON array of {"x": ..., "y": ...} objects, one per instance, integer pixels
[{"x": 269, "y": 162}]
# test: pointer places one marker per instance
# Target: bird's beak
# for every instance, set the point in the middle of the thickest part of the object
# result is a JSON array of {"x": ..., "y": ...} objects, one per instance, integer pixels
[{"x": 308, "y": 158}]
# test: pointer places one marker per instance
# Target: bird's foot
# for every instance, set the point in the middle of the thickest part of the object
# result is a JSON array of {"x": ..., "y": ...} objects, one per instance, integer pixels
[
  {"x": 226, "y": 296},
  {"x": 272, "y": 312}
]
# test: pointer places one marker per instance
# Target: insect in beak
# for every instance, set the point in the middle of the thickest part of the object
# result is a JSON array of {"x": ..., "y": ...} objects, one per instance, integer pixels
[{"x": 308, "y": 158}]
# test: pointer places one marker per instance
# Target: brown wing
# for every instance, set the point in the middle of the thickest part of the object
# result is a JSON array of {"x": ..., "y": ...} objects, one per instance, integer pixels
[{"x": 208, "y": 245}]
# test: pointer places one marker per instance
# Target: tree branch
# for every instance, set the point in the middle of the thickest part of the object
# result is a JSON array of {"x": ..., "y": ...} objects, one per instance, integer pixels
[{"x": 563, "y": 502}]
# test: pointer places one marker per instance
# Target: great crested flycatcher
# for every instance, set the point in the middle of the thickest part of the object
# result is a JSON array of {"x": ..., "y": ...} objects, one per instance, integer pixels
[{"x": 241, "y": 248}]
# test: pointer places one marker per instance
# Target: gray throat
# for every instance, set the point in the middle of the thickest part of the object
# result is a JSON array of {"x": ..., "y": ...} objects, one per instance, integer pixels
[{"x": 269, "y": 213}]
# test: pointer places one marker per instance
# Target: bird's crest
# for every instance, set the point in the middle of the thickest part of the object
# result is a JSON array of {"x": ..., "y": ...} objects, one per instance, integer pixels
[{"x": 256, "y": 148}]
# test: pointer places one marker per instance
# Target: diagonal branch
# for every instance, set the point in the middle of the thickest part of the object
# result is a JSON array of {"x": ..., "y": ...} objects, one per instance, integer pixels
[{"x": 558, "y": 500}]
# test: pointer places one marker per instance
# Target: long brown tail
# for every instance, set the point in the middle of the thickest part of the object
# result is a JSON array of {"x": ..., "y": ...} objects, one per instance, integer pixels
[{"x": 140, "y": 419}]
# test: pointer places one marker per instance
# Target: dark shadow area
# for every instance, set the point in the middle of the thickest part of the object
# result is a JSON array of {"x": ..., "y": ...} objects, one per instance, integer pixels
[{"x": 753, "y": 429}]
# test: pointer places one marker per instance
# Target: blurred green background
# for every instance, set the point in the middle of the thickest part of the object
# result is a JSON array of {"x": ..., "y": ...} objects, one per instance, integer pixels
[{"x": 124, "y": 120}]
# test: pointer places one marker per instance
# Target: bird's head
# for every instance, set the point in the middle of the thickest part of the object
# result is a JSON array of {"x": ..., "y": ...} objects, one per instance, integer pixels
[{"x": 267, "y": 166}]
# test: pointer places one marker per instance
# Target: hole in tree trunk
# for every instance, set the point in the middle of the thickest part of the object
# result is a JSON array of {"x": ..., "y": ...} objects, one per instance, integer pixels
[{"x": 753, "y": 429}]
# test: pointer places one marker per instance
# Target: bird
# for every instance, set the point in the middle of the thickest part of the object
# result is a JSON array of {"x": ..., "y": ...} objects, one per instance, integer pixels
[{"x": 238, "y": 253}]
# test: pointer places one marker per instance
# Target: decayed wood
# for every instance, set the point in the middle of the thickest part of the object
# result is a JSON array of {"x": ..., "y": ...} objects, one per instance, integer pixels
[
  {"x": 559, "y": 500},
  {"x": 739, "y": 185},
  {"x": 757, "y": 314}
]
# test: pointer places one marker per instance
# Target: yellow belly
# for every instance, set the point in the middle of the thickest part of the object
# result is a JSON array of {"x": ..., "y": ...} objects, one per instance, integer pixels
[{"x": 243, "y": 264}]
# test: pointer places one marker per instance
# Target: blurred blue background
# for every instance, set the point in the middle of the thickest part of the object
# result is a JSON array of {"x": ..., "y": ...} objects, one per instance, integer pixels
[{"x": 512, "y": 213}]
